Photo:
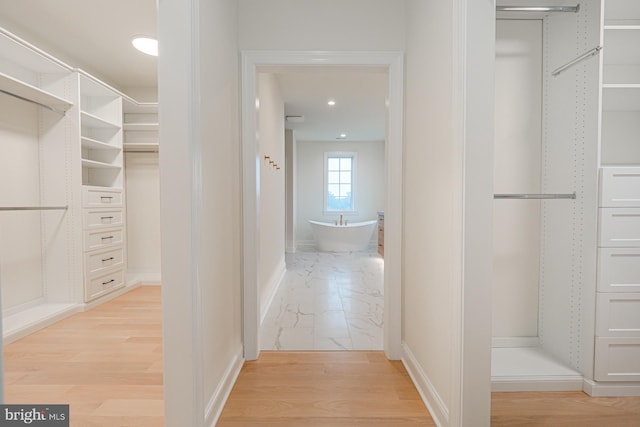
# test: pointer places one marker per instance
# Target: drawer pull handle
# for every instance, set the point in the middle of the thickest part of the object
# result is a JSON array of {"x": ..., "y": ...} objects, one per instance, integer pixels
[
  {"x": 107, "y": 259},
  {"x": 107, "y": 238},
  {"x": 106, "y": 217},
  {"x": 104, "y": 198},
  {"x": 107, "y": 282}
]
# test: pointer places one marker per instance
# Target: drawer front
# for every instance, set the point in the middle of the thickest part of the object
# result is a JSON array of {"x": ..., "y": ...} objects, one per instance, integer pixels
[
  {"x": 619, "y": 269},
  {"x": 618, "y": 315},
  {"x": 620, "y": 187},
  {"x": 102, "y": 239},
  {"x": 617, "y": 359},
  {"x": 101, "y": 197},
  {"x": 104, "y": 284},
  {"x": 98, "y": 262},
  {"x": 619, "y": 227},
  {"x": 101, "y": 218}
]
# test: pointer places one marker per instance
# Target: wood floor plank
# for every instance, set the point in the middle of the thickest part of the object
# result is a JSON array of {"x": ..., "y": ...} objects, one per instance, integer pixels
[{"x": 104, "y": 363}]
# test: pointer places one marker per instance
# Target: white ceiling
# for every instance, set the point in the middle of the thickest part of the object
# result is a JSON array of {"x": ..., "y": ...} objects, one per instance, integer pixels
[{"x": 95, "y": 35}]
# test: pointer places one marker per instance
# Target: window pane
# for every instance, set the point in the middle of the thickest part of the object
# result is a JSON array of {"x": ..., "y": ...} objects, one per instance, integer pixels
[
  {"x": 345, "y": 177},
  {"x": 333, "y": 190},
  {"x": 345, "y": 191},
  {"x": 345, "y": 163},
  {"x": 333, "y": 177},
  {"x": 333, "y": 163}
]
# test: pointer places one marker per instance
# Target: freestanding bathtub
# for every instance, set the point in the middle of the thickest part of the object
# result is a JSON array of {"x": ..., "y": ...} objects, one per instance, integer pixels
[{"x": 342, "y": 238}]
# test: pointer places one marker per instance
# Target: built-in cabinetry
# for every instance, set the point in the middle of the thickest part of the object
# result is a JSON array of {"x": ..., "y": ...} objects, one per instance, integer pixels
[
  {"x": 617, "y": 342},
  {"x": 140, "y": 126},
  {"x": 381, "y": 233},
  {"x": 62, "y": 214}
]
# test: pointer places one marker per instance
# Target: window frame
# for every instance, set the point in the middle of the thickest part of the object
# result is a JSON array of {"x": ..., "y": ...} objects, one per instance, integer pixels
[{"x": 354, "y": 162}]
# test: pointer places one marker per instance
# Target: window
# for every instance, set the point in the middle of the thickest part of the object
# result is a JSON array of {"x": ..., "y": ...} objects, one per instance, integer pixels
[{"x": 339, "y": 179}]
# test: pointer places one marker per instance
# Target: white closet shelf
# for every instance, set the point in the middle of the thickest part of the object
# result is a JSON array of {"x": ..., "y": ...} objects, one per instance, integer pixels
[
  {"x": 93, "y": 144},
  {"x": 141, "y": 146},
  {"x": 621, "y": 86},
  {"x": 623, "y": 26},
  {"x": 86, "y": 163},
  {"x": 92, "y": 121},
  {"x": 32, "y": 93},
  {"x": 141, "y": 126}
]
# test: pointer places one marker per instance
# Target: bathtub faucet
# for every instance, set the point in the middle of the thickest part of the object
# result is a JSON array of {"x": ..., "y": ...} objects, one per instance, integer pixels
[{"x": 340, "y": 219}]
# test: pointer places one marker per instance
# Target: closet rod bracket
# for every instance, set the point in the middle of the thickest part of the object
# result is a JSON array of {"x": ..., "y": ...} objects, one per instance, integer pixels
[{"x": 580, "y": 58}]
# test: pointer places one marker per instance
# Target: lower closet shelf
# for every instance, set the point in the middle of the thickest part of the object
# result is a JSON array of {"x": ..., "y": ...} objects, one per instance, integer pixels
[
  {"x": 29, "y": 320},
  {"x": 531, "y": 369}
]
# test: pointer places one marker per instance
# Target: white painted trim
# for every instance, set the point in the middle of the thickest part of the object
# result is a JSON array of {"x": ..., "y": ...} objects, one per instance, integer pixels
[
  {"x": 437, "y": 408},
  {"x": 394, "y": 62},
  {"x": 272, "y": 288},
  {"x": 143, "y": 278},
  {"x": 537, "y": 383},
  {"x": 511, "y": 342},
  {"x": 305, "y": 244},
  {"x": 29, "y": 327},
  {"x": 611, "y": 389},
  {"x": 221, "y": 394}
]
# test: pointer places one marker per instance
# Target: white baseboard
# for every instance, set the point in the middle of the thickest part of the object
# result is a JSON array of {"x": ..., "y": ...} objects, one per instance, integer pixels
[
  {"x": 272, "y": 288},
  {"x": 611, "y": 389},
  {"x": 437, "y": 408},
  {"x": 143, "y": 278},
  {"x": 305, "y": 244},
  {"x": 221, "y": 394},
  {"x": 537, "y": 383},
  {"x": 34, "y": 318}
]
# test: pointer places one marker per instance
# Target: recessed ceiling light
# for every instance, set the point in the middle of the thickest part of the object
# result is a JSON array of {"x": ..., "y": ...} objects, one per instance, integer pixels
[
  {"x": 342, "y": 136},
  {"x": 331, "y": 102},
  {"x": 146, "y": 45}
]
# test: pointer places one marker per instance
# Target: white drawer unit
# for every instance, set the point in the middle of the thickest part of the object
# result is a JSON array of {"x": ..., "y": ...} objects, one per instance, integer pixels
[
  {"x": 103, "y": 284},
  {"x": 619, "y": 227},
  {"x": 96, "y": 197},
  {"x": 101, "y": 218},
  {"x": 97, "y": 262},
  {"x": 102, "y": 239},
  {"x": 618, "y": 315},
  {"x": 620, "y": 187},
  {"x": 619, "y": 269},
  {"x": 617, "y": 359}
]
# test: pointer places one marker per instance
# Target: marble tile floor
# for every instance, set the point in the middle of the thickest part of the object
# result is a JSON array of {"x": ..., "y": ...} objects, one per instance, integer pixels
[{"x": 327, "y": 301}]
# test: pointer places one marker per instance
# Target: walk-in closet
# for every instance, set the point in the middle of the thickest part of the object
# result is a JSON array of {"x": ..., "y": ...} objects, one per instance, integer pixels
[
  {"x": 65, "y": 243},
  {"x": 565, "y": 124}
]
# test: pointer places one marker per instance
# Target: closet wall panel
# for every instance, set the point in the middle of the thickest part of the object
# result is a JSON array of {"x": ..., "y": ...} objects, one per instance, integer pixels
[
  {"x": 20, "y": 251},
  {"x": 518, "y": 139}
]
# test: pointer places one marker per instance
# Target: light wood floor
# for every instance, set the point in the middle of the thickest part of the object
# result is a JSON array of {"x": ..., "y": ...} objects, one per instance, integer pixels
[
  {"x": 107, "y": 364},
  {"x": 324, "y": 389}
]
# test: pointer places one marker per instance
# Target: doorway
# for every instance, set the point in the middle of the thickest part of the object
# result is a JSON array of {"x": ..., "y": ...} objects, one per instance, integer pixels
[{"x": 252, "y": 162}]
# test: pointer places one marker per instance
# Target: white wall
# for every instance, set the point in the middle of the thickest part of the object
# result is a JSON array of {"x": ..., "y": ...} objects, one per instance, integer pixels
[
  {"x": 447, "y": 205},
  {"x": 142, "y": 183},
  {"x": 200, "y": 206},
  {"x": 518, "y": 143},
  {"x": 20, "y": 239},
  {"x": 369, "y": 190},
  {"x": 321, "y": 25},
  {"x": 290, "y": 189},
  {"x": 272, "y": 186}
]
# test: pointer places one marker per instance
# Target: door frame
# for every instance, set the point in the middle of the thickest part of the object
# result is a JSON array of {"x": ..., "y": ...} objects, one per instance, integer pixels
[{"x": 393, "y": 62}]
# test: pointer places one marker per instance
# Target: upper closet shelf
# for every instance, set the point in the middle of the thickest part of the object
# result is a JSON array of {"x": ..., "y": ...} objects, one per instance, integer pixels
[
  {"x": 96, "y": 122},
  {"x": 623, "y": 26},
  {"x": 140, "y": 126},
  {"x": 93, "y": 144},
  {"x": 30, "y": 93}
]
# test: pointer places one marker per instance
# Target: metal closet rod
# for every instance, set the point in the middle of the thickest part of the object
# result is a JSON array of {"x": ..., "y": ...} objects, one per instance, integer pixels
[
  {"x": 33, "y": 102},
  {"x": 580, "y": 58},
  {"x": 573, "y": 9},
  {"x": 536, "y": 196},
  {"x": 34, "y": 208}
]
